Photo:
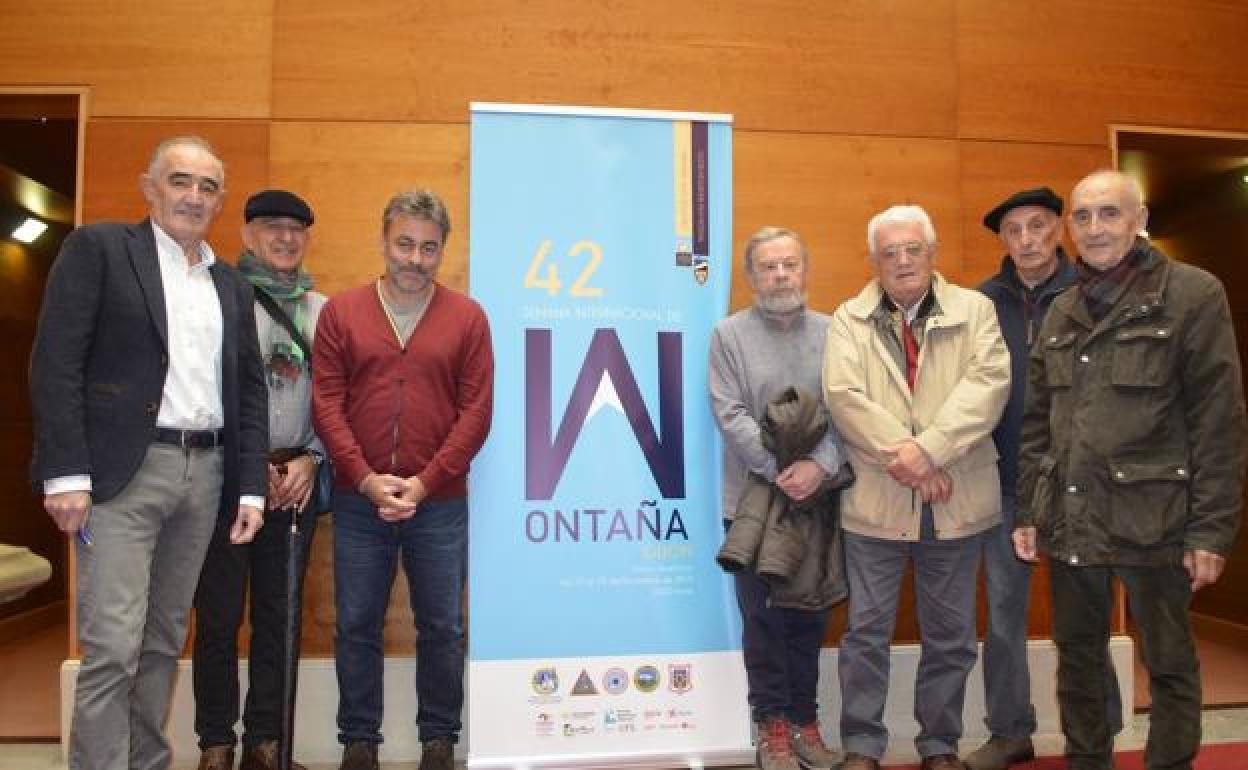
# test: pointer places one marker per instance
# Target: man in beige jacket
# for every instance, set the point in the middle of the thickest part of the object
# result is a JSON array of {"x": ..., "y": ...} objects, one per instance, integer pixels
[{"x": 916, "y": 375}]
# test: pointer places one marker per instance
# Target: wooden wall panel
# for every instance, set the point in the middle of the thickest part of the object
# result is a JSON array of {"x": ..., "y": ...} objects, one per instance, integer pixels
[
  {"x": 348, "y": 171},
  {"x": 1061, "y": 71},
  {"x": 145, "y": 57},
  {"x": 992, "y": 171},
  {"x": 827, "y": 188},
  {"x": 118, "y": 151},
  {"x": 852, "y": 67}
]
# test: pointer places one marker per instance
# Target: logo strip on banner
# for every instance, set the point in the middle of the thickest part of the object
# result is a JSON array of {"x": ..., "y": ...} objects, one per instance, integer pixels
[
  {"x": 701, "y": 194},
  {"x": 603, "y": 633}
]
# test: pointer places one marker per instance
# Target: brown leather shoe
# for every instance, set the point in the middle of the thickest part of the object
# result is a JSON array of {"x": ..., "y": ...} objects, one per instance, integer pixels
[
  {"x": 437, "y": 754},
  {"x": 217, "y": 758},
  {"x": 856, "y": 761},
  {"x": 812, "y": 753},
  {"x": 263, "y": 756},
  {"x": 359, "y": 755},
  {"x": 1000, "y": 753},
  {"x": 942, "y": 762}
]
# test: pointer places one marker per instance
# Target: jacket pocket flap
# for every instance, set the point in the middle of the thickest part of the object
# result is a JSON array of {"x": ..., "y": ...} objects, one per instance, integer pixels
[
  {"x": 1059, "y": 341},
  {"x": 1151, "y": 331},
  {"x": 1130, "y": 473}
]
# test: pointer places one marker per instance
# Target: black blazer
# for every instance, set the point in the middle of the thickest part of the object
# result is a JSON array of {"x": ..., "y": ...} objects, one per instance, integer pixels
[{"x": 98, "y": 366}]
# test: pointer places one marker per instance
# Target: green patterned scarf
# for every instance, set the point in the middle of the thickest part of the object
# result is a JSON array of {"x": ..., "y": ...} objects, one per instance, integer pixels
[{"x": 286, "y": 288}]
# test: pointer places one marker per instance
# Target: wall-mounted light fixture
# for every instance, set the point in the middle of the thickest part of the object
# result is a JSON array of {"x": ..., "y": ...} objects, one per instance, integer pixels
[{"x": 29, "y": 230}]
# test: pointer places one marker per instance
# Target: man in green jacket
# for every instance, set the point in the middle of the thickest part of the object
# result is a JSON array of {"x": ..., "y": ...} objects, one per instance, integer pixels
[{"x": 1131, "y": 465}]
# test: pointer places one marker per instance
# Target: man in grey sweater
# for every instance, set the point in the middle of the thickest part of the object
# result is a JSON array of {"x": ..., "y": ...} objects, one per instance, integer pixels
[{"x": 755, "y": 354}]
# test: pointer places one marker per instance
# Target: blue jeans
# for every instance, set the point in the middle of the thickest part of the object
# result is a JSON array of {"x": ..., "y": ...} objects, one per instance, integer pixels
[
  {"x": 433, "y": 545},
  {"x": 1007, "y": 677}
]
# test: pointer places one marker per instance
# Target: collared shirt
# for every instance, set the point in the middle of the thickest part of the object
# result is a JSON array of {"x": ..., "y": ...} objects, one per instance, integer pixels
[
  {"x": 191, "y": 399},
  {"x": 889, "y": 319}
]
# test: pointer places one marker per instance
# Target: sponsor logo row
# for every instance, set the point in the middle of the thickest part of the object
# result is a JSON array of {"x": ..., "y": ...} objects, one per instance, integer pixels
[
  {"x": 571, "y": 724},
  {"x": 545, "y": 681}
]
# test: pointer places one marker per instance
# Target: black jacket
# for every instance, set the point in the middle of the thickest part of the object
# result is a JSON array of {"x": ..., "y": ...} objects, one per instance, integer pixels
[{"x": 100, "y": 358}]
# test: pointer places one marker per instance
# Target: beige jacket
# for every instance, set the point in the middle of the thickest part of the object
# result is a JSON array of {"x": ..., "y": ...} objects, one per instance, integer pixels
[{"x": 961, "y": 387}]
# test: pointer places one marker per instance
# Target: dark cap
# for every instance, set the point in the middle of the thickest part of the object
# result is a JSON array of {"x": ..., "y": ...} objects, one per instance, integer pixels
[
  {"x": 1041, "y": 196},
  {"x": 278, "y": 203}
]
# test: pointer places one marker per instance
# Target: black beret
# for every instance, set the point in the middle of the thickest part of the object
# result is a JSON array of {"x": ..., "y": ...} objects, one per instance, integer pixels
[
  {"x": 278, "y": 203},
  {"x": 1041, "y": 196}
]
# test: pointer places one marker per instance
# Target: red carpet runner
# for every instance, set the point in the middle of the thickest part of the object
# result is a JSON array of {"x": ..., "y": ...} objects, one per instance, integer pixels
[{"x": 1215, "y": 756}]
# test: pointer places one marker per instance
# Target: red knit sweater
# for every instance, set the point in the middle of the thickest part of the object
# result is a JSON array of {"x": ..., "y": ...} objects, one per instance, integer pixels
[{"x": 421, "y": 410}]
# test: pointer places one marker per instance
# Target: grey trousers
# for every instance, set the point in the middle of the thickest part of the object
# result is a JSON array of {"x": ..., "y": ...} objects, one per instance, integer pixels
[
  {"x": 135, "y": 585},
  {"x": 944, "y": 572}
]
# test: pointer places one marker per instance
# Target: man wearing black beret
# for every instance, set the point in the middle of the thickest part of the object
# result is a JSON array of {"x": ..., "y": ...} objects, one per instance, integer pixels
[
  {"x": 1034, "y": 271},
  {"x": 276, "y": 239}
]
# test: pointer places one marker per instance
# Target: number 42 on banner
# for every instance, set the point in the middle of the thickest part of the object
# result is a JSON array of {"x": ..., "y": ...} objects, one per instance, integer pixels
[{"x": 533, "y": 278}]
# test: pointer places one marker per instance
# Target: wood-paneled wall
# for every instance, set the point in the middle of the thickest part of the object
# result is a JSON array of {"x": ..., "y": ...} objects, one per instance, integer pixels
[{"x": 842, "y": 108}]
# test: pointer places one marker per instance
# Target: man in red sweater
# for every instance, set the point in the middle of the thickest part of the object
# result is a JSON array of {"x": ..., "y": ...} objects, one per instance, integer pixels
[{"x": 402, "y": 396}]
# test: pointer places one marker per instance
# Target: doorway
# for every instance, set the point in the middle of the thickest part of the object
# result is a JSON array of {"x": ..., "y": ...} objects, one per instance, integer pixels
[
  {"x": 1196, "y": 188},
  {"x": 41, "y": 145}
]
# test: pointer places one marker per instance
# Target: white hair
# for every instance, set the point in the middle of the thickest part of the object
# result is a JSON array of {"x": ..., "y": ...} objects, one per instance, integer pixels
[{"x": 901, "y": 215}]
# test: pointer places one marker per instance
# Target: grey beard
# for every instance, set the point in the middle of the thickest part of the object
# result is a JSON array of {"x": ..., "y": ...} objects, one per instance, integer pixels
[{"x": 789, "y": 302}]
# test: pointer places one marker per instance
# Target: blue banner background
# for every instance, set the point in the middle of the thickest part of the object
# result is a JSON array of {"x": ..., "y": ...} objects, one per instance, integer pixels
[{"x": 609, "y": 180}]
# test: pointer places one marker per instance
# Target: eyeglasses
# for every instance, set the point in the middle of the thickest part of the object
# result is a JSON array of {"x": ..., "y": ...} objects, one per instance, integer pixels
[{"x": 912, "y": 249}]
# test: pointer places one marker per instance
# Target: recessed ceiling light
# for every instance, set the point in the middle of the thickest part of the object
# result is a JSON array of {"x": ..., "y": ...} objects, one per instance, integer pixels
[{"x": 29, "y": 230}]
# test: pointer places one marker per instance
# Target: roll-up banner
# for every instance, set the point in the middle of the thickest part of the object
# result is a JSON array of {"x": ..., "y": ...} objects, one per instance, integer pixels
[{"x": 603, "y": 634}]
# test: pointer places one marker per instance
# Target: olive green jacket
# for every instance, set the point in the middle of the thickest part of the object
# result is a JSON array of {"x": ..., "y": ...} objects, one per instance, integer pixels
[{"x": 1134, "y": 430}]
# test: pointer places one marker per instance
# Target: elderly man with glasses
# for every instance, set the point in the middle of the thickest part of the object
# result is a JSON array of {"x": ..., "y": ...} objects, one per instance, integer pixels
[{"x": 916, "y": 375}]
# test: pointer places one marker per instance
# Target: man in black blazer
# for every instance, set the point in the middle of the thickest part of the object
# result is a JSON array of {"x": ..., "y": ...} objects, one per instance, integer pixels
[{"x": 150, "y": 421}]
